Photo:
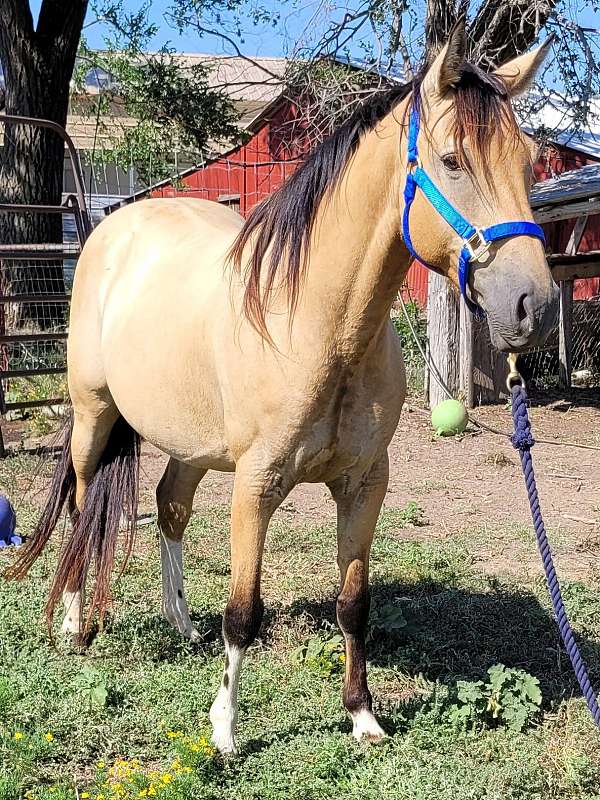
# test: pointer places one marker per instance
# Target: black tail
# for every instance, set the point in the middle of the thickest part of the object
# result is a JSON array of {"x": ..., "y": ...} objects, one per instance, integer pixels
[{"x": 110, "y": 501}]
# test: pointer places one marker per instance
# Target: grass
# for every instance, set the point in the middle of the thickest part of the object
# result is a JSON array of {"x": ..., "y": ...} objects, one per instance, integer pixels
[{"x": 131, "y": 713}]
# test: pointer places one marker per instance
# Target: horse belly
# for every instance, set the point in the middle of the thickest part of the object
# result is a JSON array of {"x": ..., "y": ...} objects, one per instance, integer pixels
[{"x": 156, "y": 347}]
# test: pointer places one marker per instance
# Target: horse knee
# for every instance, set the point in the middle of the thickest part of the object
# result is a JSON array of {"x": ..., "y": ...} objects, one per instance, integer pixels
[
  {"x": 242, "y": 620},
  {"x": 173, "y": 516}
]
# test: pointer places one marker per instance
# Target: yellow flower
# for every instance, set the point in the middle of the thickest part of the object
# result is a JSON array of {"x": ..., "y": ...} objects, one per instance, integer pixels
[
  {"x": 143, "y": 793},
  {"x": 49, "y": 737},
  {"x": 84, "y": 795},
  {"x": 18, "y": 735},
  {"x": 135, "y": 763},
  {"x": 151, "y": 790},
  {"x": 100, "y": 797},
  {"x": 101, "y": 765},
  {"x": 166, "y": 778},
  {"x": 187, "y": 770}
]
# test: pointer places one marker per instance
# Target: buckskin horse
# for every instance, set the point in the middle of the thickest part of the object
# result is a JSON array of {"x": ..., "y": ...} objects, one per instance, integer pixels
[{"x": 265, "y": 347}]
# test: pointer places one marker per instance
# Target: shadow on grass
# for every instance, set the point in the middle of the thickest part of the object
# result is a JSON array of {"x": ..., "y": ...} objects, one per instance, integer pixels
[
  {"x": 450, "y": 634},
  {"x": 454, "y": 633}
]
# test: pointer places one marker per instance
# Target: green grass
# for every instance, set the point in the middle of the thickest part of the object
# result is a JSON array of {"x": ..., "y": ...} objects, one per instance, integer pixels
[{"x": 148, "y": 722}]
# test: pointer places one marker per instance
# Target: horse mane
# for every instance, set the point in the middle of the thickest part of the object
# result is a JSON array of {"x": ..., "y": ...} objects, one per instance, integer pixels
[{"x": 279, "y": 228}]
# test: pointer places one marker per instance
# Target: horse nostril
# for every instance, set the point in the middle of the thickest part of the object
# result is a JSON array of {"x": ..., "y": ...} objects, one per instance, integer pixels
[{"x": 522, "y": 313}]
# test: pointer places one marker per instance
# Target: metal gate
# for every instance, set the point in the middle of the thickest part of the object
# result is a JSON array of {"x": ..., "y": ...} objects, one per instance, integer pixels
[{"x": 11, "y": 367}]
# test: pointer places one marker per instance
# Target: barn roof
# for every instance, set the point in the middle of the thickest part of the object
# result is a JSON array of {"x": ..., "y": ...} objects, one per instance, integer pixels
[
  {"x": 576, "y": 185},
  {"x": 558, "y": 119},
  {"x": 573, "y": 194}
]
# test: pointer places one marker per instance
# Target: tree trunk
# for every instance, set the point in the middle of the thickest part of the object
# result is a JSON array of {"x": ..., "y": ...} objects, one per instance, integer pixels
[{"x": 38, "y": 65}]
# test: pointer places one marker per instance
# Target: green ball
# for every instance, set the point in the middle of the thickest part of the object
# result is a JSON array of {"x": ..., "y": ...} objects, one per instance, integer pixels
[{"x": 449, "y": 418}]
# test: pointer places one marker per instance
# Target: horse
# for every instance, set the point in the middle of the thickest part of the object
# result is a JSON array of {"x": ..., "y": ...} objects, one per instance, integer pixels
[{"x": 264, "y": 347}]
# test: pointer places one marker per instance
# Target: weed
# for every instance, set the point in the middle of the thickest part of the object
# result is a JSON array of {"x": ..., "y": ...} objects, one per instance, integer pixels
[
  {"x": 511, "y": 697},
  {"x": 90, "y": 683},
  {"x": 324, "y": 652}
]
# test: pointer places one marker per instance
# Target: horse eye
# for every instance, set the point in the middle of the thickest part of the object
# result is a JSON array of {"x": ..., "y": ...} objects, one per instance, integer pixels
[{"x": 450, "y": 162}]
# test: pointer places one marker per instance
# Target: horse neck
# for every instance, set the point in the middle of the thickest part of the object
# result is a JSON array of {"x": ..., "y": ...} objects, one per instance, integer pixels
[{"x": 357, "y": 260}]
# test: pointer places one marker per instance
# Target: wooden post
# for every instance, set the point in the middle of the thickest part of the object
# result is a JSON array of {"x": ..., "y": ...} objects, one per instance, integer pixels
[
  {"x": 565, "y": 325},
  {"x": 565, "y": 334},
  {"x": 465, "y": 369},
  {"x": 443, "y": 336}
]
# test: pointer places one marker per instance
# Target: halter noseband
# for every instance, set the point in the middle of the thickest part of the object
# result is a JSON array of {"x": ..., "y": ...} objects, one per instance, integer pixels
[{"x": 476, "y": 241}]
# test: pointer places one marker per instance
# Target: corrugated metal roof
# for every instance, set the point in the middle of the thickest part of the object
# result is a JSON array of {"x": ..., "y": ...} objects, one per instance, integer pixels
[{"x": 568, "y": 187}]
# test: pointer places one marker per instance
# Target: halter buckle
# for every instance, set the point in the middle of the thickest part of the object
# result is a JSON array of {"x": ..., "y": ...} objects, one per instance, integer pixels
[{"x": 477, "y": 245}]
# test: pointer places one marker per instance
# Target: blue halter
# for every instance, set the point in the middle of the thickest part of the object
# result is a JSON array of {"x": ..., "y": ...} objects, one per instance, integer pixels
[{"x": 476, "y": 241}]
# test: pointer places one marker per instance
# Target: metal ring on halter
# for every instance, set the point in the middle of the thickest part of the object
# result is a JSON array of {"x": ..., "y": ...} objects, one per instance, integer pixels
[{"x": 514, "y": 377}]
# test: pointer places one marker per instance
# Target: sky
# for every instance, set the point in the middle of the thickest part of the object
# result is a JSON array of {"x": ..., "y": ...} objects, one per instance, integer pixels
[{"x": 263, "y": 41}]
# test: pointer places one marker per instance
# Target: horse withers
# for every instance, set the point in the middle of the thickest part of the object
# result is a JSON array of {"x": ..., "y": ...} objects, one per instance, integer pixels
[{"x": 265, "y": 348}]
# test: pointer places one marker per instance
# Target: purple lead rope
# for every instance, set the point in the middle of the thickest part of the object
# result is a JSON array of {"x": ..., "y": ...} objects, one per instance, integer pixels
[{"x": 523, "y": 441}]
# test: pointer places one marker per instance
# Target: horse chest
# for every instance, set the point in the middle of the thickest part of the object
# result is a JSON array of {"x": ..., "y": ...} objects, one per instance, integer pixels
[{"x": 346, "y": 442}]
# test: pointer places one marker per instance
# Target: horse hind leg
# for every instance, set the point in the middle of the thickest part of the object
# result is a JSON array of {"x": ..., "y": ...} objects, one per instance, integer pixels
[
  {"x": 174, "y": 497},
  {"x": 91, "y": 431}
]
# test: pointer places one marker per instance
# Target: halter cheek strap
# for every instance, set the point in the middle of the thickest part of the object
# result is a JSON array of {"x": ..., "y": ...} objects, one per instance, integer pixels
[{"x": 476, "y": 241}]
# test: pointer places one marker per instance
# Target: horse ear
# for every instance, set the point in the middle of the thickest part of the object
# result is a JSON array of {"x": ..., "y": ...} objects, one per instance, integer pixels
[
  {"x": 446, "y": 69},
  {"x": 519, "y": 73}
]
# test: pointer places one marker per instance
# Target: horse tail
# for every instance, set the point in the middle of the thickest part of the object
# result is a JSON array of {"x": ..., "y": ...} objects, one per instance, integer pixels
[{"x": 109, "y": 506}]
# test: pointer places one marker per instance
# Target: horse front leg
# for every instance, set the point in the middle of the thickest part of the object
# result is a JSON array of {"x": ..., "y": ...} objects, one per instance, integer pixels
[
  {"x": 357, "y": 514},
  {"x": 255, "y": 498}
]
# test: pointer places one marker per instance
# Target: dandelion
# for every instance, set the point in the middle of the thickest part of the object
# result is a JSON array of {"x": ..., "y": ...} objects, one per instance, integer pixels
[
  {"x": 49, "y": 737},
  {"x": 166, "y": 778},
  {"x": 18, "y": 736}
]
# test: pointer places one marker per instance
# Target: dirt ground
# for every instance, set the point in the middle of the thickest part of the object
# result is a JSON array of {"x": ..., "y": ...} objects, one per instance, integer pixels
[{"x": 470, "y": 487}]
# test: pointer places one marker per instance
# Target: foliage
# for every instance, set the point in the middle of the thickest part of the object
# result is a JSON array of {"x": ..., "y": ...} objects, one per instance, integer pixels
[
  {"x": 324, "y": 652},
  {"x": 393, "y": 39},
  {"x": 385, "y": 619},
  {"x": 37, "y": 387},
  {"x": 178, "y": 113},
  {"x": 90, "y": 683},
  {"x": 511, "y": 697},
  {"x": 412, "y": 343}
]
